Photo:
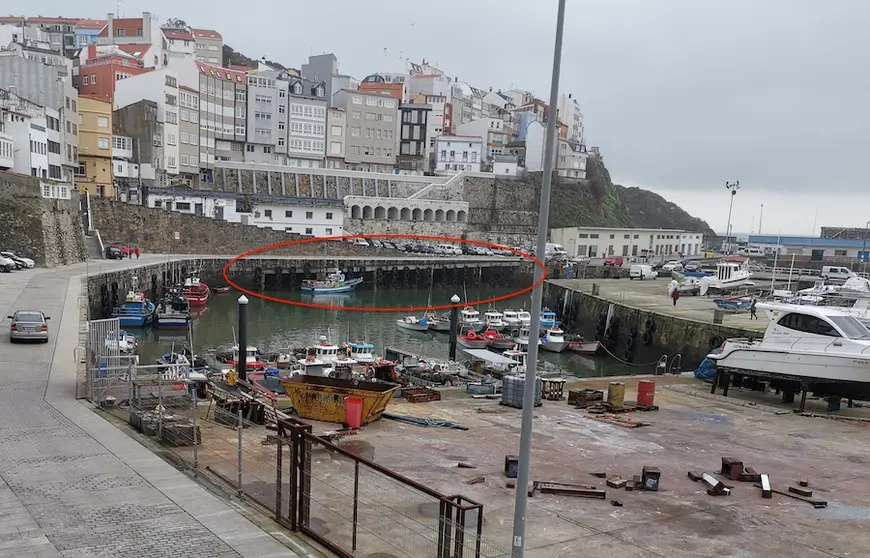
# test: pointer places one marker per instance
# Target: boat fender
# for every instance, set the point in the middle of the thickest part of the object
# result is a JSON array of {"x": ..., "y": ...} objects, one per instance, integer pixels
[
  {"x": 471, "y": 335},
  {"x": 608, "y": 332},
  {"x": 629, "y": 355},
  {"x": 632, "y": 332},
  {"x": 614, "y": 323},
  {"x": 647, "y": 338},
  {"x": 649, "y": 326},
  {"x": 715, "y": 342},
  {"x": 602, "y": 318},
  {"x": 629, "y": 344}
]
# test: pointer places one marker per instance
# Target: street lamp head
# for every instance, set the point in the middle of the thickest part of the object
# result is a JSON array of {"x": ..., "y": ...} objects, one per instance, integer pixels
[
  {"x": 455, "y": 299},
  {"x": 243, "y": 299}
]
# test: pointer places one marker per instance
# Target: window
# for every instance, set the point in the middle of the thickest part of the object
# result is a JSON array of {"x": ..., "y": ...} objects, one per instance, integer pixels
[
  {"x": 328, "y": 215},
  {"x": 593, "y": 235},
  {"x": 182, "y": 206},
  {"x": 328, "y": 231},
  {"x": 103, "y": 143},
  {"x": 171, "y": 117},
  {"x": 267, "y": 149},
  {"x": 839, "y": 252},
  {"x": 281, "y": 142},
  {"x": 185, "y": 138},
  {"x": 281, "y": 125},
  {"x": 309, "y": 215},
  {"x": 170, "y": 162},
  {"x": 612, "y": 236},
  {"x": 356, "y": 99},
  {"x": 81, "y": 170},
  {"x": 282, "y": 94},
  {"x": 309, "y": 230},
  {"x": 288, "y": 214},
  {"x": 171, "y": 99},
  {"x": 336, "y": 130},
  {"x": 102, "y": 121},
  {"x": 249, "y": 148},
  {"x": 355, "y": 114},
  {"x": 267, "y": 213},
  {"x": 170, "y": 139},
  {"x": 335, "y": 148},
  {"x": 184, "y": 160},
  {"x": 808, "y": 324}
]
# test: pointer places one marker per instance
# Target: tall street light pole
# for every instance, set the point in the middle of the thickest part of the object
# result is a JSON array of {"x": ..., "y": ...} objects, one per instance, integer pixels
[
  {"x": 864, "y": 247},
  {"x": 760, "y": 218},
  {"x": 732, "y": 187},
  {"x": 530, "y": 384}
]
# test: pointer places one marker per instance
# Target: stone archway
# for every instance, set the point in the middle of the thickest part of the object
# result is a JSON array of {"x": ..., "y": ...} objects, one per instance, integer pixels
[
  {"x": 418, "y": 214},
  {"x": 451, "y": 216},
  {"x": 428, "y": 215},
  {"x": 461, "y": 217},
  {"x": 405, "y": 215},
  {"x": 367, "y": 212},
  {"x": 393, "y": 213},
  {"x": 439, "y": 214},
  {"x": 355, "y": 212},
  {"x": 380, "y": 213}
]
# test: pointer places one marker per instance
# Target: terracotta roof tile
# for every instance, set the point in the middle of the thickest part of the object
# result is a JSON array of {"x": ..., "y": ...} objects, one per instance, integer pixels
[
  {"x": 97, "y": 24},
  {"x": 206, "y": 33},
  {"x": 132, "y": 27}
]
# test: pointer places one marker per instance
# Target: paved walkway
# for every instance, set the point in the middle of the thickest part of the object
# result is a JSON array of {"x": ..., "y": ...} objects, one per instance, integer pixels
[{"x": 71, "y": 484}]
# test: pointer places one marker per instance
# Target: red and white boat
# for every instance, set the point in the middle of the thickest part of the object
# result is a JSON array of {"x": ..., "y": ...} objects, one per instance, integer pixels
[
  {"x": 581, "y": 346},
  {"x": 253, "y": 357},
  {"x": 495, "y": 340},
  {"x": 471, "y": 339},
  {"x": 196, "y": 292}
]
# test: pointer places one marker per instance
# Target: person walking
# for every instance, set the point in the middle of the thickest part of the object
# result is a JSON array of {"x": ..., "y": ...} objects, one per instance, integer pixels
[
  {"x": 752, "y": 314},
  {"x": 137, "y": 252},
  {"x": 675, "y": 296}
]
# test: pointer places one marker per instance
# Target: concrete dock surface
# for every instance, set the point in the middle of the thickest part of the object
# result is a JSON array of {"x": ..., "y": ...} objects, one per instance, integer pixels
[{"x": 652, "y": 295}]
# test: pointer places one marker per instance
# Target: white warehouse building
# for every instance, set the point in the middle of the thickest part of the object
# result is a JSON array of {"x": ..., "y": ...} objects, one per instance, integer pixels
[
  {"x": 597, "y": 242},
  {"x": 317, "y": 217}
]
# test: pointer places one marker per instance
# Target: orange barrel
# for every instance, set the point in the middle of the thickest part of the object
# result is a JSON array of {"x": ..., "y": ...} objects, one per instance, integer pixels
[
  {"x": 353, "y": 410},
  {"x": 646, "y": 393}
]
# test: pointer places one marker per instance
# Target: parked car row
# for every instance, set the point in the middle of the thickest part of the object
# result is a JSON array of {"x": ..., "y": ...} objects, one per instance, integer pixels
[
  {"x": 433, "y": 249},
  {"x": 119, "y": 251},
  {"x": 10, "y": 261}
]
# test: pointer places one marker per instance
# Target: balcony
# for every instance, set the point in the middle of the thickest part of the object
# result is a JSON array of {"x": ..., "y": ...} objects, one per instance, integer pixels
[{"x": 7, "y": 151}]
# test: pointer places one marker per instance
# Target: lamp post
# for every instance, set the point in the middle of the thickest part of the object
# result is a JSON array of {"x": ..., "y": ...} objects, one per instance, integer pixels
[
  {"x": 760, "y": 219},
  {"x": 525, "y": 454},
  {"x": 454, "y": 326},
  {"x": 732, "y": 187},
  {"x": 864, "y": 246},
  {"x": 242, "y": 358}
]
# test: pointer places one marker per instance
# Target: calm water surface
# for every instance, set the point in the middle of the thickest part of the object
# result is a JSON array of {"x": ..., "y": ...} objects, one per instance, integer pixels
[{"x": 272, "y": 326}]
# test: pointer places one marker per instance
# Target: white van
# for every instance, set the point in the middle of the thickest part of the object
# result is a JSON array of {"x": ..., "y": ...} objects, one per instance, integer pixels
[
  {"x": 751, "y": 251},
  {"x": 554, "y": 249},
  {"x": 640, "y": 271},
  {"x": 451, "y": 249},
  {"x": 836, "y": 273}
]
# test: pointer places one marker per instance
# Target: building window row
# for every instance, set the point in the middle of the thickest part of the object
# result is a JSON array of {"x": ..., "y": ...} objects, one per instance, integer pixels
[{"x": 407, "y": 214}]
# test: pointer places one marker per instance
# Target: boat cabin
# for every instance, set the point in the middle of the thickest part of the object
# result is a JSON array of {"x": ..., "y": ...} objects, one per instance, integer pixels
[
  {"x": 729, "y": 268},
  {"x": 362, "y": 351},
  {"x": 326, "y": 350},
  {"x": 469, "y": 315},
  {"x": 791, "y": 320}
]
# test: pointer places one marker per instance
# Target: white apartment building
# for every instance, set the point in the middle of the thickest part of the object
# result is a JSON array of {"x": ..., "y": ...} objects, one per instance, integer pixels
[
  {"x": 306, "y": 123},
  {"x": 7, "y": 143},
  {"x": 491, "y": 129},
  {"x": 570, "y": 115},
  {"x": 569, "y": 158},
  {"x": 318, "y": 218},
  {"x": 161, "y": 87},
  {"x": 26, "y": 136},
  {"x": 267, "y": 118},
  {"x": 599, "y": 242},
  {"x": 336, "y": 126},
  {"x": 458, "y": 153},
  {"x": 123, "y": 165}
]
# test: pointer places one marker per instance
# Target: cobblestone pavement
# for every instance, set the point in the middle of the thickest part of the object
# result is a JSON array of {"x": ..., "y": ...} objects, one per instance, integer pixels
[{"x": 63, "y": 492}]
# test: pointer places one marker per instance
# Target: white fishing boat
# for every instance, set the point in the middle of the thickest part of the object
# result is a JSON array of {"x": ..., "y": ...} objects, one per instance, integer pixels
[
  {"x": 335, "y": 282},
  {"x": 511, "y": 319},
  {"x": 470, "y": 319},
  {"x": 312, "y": 366},
  {"x": 554, "y": 340},
  {"x": 413, "y": 323},
  {"x": 494, "y": 320},
  {"x": 731, "y": 273},
  {"x": 362, "y": 352},
  {"x": 326, "y": 351},
  {"x": 524, "y": 317},
  {"x": 522, "y": 338},
  {"x": 804, "y": 342}
]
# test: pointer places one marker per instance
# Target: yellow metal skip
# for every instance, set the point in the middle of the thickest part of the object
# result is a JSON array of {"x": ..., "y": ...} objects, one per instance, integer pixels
[{"x": 322, "y": 399}]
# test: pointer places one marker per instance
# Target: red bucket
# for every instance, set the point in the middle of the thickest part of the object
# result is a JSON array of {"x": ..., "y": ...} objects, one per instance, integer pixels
[
  {"x": 353, "y": 412},
  {"x": 646, "y": 393}
]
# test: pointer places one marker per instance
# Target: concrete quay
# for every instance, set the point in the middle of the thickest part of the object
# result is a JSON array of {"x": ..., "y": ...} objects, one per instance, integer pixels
[{"x": 70, "y": 485}]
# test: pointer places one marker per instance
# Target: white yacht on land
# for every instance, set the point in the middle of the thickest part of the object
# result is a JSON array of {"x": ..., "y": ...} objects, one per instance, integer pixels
[
  {"x": 804, "y": 342},
  {"x": 731, "y": 273}
]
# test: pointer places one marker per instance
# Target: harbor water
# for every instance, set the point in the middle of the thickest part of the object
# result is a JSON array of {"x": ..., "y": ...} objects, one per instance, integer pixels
[{"x": 274, "y": 326}]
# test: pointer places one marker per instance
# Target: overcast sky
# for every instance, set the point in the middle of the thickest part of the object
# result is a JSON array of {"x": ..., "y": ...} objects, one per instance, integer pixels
[{"x": 681, "y": 96}]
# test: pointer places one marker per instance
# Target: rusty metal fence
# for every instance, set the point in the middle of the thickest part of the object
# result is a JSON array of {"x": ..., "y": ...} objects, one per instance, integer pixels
[{"x": 310, "y": 483}]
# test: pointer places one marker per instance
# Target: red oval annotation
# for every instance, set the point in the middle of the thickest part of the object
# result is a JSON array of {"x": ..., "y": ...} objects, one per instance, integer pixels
[{"x": 444, "y": 239}]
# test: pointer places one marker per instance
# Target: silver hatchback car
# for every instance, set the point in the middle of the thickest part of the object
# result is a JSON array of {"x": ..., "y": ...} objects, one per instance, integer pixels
[{"x": 28, "y": 325}]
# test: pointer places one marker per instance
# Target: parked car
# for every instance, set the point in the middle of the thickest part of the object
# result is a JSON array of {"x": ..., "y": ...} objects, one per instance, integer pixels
[
  {"x": 20, "y": 261},
  {"x": 7, "y": 265},
  {"x": 615, "y": 261},
  {"x": 641, "y": 272},
  {"x": 673, "y": 265},
  {"x": 692, "y": 266},
  {"x": 28, "y": 325}
]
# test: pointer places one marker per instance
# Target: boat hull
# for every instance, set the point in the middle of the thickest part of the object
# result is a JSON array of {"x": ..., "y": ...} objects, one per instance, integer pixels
[
  {"x": 496, "y": 327},
  {"x": 472, "y": 343},
  {"x": 476, "y": 327},
  {"x": 412, "y": 326},
  {"x": 133, "y": 321},
  {"x": 196, "y": 299},
  {"x": 500, "y": 344},
  {"x": 439, "y": 326},
  {"x": 554, "y": 346},
  {"x": 172, "y": 322},
  {"x": 584, "y": 347},
  {"x": 783, "y": 359},
  {"x": 346, "y": 288}
]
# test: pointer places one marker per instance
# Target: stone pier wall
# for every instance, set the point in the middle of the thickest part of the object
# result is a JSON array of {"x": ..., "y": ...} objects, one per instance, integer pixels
[{"x": 692, "y": 339}]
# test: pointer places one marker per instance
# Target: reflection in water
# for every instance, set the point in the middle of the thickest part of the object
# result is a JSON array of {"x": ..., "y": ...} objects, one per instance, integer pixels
[{"x": 273, "y": 325}]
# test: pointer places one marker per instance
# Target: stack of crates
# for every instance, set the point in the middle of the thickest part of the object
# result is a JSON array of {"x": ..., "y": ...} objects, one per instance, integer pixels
[{"x": 512, "y": 388}]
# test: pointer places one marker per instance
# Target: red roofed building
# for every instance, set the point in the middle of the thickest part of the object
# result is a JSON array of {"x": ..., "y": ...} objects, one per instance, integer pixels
[
  {"x": 137, "y": 31},
  {"x": 105, "y": 65},
  {"x": 209, "y": 46}
]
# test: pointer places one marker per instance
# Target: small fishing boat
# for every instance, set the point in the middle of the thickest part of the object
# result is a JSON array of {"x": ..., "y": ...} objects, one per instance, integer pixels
[
  {"x": 413, "y": 323},
  {"x": 737, "y": 304},
  {"x": 494, "y": 320},
  {"x": 253, "y": 358},
  {"x": 511, "y": 319},
  {"x": 497, "y": 341},
  {"x": 312, "y": 366},
  {"x": 469, "y": 318},
  {"x": 182, "y": 364},
  {"x": 576, "y": 344},
  {"x": 173, "y": 311},
  {"x": 554, "y": 340},
  {"x": 438, "y": 323},
  {"x": 361, "y": 352},
  {"x": 325, "y": 350},
  {"x": 123, "y": 342},
  {"x": 137, "y": 311},
  {"x": 195, "y": 291},
  {"x": 470, "y": 339},
  {"x": 522, "y": 337},
  {"x": 221, "y": 289},
  {"x": 281, "y": 358},
  {"x": 335, "y": 282},
  {"x": 524, "y": 317},
  {"x": 548, "y": 320}
]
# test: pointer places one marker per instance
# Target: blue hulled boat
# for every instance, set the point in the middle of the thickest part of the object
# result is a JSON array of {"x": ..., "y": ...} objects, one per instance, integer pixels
[
  {"x": 548, "y": 320},
  {"x": 335, "y": 282},
  {"x": 137, "y": 311}
]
